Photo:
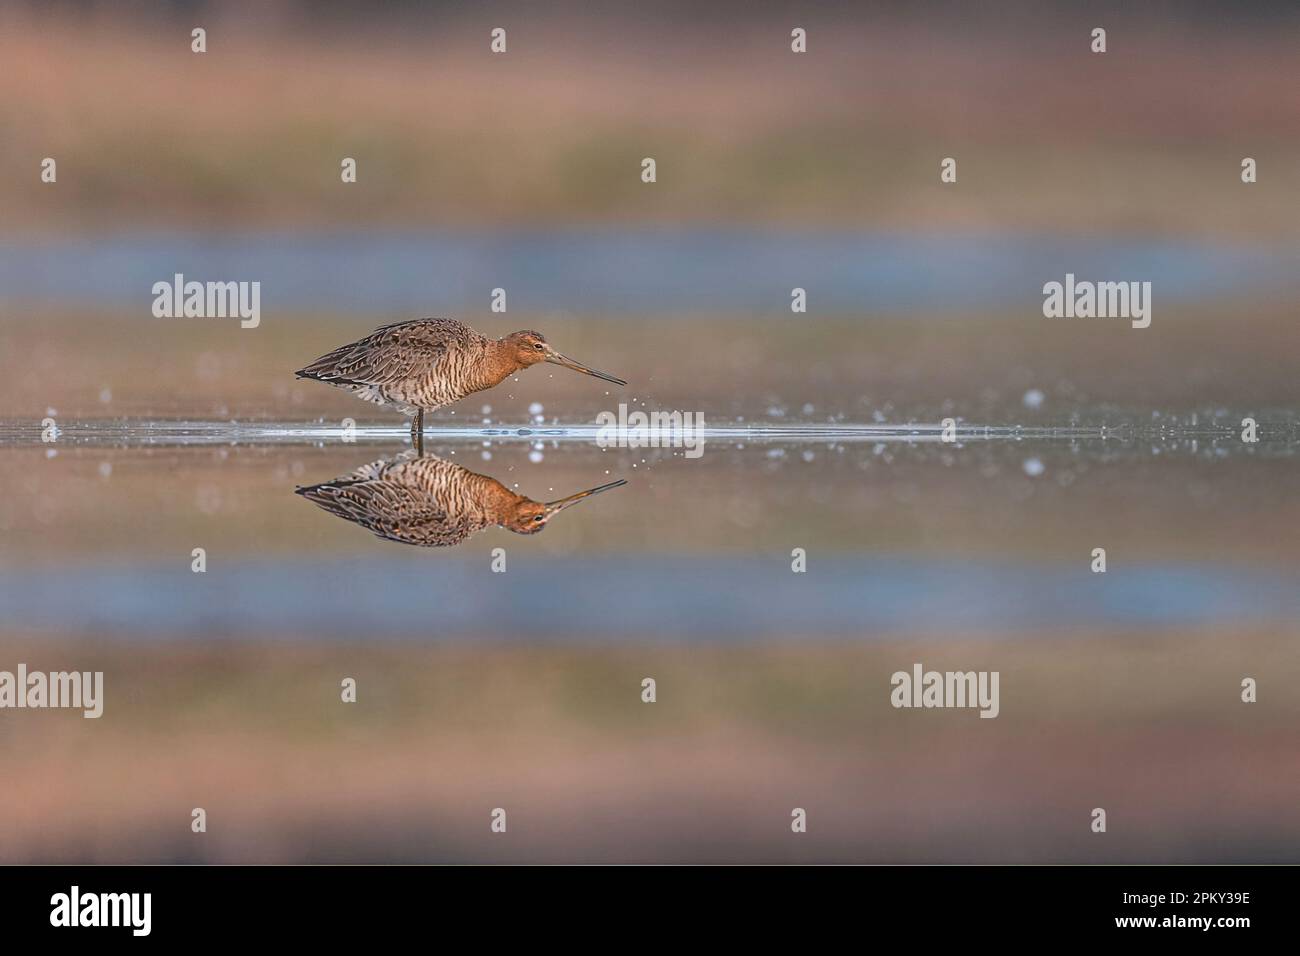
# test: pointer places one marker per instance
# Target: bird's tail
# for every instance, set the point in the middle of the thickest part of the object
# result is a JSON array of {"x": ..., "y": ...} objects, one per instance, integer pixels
[
  {"x": 326, "y": 495},
  {"x": 327, "y": 367}
]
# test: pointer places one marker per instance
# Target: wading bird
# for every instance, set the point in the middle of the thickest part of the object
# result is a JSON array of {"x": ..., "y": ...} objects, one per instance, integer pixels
[
  {"x": 431, "y": 503},
  {"x": 428, "y": 363}
]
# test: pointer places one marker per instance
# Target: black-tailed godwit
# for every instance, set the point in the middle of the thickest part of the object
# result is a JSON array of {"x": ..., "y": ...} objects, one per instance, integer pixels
[
  {"x": 428, "y": 363},
  {"x": 432, "y": 503}
]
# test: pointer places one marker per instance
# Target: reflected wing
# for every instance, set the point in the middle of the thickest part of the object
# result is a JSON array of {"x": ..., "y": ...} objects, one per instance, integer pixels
[{"x": 393, "y": 511}]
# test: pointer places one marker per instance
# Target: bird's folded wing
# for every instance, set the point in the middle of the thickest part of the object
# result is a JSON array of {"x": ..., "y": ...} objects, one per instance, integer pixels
[
  {"x": 387, "y": 356},
  {"x": 401, "y": 513}
]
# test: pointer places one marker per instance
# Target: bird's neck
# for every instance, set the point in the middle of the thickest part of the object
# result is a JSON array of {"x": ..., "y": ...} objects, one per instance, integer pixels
[
  {"x": 500, "y": 362},
  {"x": 497, "y": 501}
]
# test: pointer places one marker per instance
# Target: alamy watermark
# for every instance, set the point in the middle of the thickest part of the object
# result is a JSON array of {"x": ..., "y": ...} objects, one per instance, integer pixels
[
  {"x": 79, "y": 690},
  {"x": 1104, "y": 300},
  {"x": 638, "y": 429},
  {"x": 208, "y": 300},
  {"x": 922, "y": 688},
  {"x": 129, "y": 910}
]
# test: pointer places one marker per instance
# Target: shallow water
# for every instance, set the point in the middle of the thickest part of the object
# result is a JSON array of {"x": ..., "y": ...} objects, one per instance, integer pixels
[
  {"x": 989, "y": 534},
  {"x": 496, "y": 667},
  {"x": 480, "y": 688}
]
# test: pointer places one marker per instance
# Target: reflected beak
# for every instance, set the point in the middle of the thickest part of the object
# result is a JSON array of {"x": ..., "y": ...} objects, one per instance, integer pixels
[
  {"x": 553, "y": 506},
  {"x": 557, "y": 359}
]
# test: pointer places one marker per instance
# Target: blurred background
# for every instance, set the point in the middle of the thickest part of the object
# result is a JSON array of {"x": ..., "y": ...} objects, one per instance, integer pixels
[{"x": 775, "y": 170}]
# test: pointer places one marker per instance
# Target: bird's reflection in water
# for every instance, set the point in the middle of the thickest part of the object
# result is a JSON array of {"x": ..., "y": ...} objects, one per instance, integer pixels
[{"x": 432, "y": 503}]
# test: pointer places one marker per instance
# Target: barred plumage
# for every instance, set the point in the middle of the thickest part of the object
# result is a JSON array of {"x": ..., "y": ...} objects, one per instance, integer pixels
[
  {"x": 432, "y": 503},
  {"x": 428, "y": 363}
]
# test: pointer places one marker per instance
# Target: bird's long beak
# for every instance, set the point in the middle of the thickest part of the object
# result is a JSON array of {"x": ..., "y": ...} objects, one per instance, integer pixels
[
  {"x": 553, "y": 506},
  {"x": 558, "y": 359}
]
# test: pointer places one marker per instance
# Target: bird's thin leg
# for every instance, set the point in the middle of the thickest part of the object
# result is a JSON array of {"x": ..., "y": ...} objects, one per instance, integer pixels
[{"x": 417, "y": 432}]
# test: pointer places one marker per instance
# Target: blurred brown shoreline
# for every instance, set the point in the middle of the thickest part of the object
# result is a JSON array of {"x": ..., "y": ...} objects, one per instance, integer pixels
[{"x": 1048, "y": 135}]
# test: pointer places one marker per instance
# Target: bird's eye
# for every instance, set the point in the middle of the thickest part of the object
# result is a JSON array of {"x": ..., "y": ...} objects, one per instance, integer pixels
[
  {"x": 538, "y": 346},
  {"x": 539, "y": 518}
]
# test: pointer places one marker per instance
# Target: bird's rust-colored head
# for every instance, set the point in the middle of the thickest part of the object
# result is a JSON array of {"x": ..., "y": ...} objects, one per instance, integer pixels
[
  {"x": 529, "y": 517},
  {"x": 531, "y": 348}
]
